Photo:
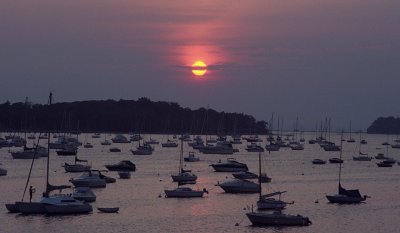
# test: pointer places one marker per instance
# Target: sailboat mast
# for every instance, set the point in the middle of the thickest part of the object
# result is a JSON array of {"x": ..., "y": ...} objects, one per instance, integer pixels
[
  {"x": 259, "y": 175},
  {"x": 340, "y": 157},
  {"x": 181, "y": 156},
  {"x": 48, "y": 150}
]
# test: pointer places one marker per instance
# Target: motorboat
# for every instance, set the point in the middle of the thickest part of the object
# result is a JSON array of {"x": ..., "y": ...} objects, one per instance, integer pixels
[
  {"x": 184, "y": 176},
  {"x": 381, "y": 156},
  {"x": 105, "y": 143},
  {"x": 335, "y": 160},
  {"x": 318, "y": 161},
  {"x": 252, "y": 138},
  {"x": 218, "y": 148},
  {"x": 84, "y": 194},
  {"x": 115, "y": 149},
  {"x": 362, "y": 157},
  {"x": 231, "y": 165},
  {"x": 389, "y": 161},
  {"x": 245, "y": 175},
  {"x": 184, "y": 192},
  {"x": 124, "y": 165},
  {"x": 277, "y": 218},
  {"x": 77, "y": 167},
  {"x": 236, "y": 139},
  {"x": 143, "y": 150},
  {"x": 191, "y": 158},
  {"x": 30, "y": 153},
  {"x": 239, "y": 186},
  {"x": 69, "y": 150},
  {"x": 272, "y": 147},
  {"x": 88, "y": 145},
  {"x": 119, "y": 138},
  {"x": 253, "y": 147},
  {"x": 89, "y": 179},
  {"x": 135, "y": 137},
  {"x": 65, "y": 141},
  {"x": 396, "y": 146},
  {"x": 170, "y": 143},
  {"x": 330, "y": 146},
  {"x": 363, "y": 141},
  {"x": 152, "y": 141},
  {"x": 17, "y": 141},
  {"x": 197, "y": 143},
  {"x": 296, "y": 146},
  {"x": 383, "y": 164},
  {"x": 96, "y": 135}
]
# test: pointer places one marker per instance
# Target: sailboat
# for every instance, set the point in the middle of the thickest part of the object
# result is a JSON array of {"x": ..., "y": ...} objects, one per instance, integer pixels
[
  {"x": 77, "y": 167},
  {"x": 183, "y": 175},
  {"x": 350, "y": 138},
  {"x": 345, "y": 196},
  {"x": 276, "y": 217},
  {"x": 105, "y": 142},
  {"x": 267, "y": 202},
  {"x": 51, "y": 204},
  {"x": 361, "y": 156}
]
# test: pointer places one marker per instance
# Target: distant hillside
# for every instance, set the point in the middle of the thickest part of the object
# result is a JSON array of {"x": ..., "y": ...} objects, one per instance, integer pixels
[
  {"x": 385, "y": 125},
  {"x": 142, "y": 115}
]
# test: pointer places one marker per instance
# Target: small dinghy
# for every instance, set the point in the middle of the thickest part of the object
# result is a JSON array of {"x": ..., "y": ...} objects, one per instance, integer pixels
[{"x": 109, "y": 210}]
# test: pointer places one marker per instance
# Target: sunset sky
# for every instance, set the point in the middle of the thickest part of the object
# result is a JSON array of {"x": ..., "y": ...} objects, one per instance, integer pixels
[{"x": 311, "y": 59}]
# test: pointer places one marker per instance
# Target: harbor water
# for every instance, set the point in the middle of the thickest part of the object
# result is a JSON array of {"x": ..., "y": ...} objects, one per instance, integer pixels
[{"x": 144, "y": 208}]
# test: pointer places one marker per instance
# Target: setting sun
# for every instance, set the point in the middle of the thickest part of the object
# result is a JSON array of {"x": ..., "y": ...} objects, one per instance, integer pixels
[{"x": 199, "y": 68}]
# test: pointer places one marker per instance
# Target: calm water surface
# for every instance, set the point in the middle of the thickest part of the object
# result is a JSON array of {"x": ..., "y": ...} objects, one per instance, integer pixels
[{"x": 143, "y": 209}]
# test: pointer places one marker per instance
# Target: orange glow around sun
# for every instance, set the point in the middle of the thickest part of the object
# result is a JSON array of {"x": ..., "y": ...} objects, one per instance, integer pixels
[{"x": 199, "y": 68}]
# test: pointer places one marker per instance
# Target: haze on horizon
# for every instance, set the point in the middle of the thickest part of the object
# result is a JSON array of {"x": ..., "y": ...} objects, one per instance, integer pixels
[{"x": 306, "y": 59}]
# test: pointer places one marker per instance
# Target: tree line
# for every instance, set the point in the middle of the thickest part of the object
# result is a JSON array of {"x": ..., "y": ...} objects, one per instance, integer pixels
[
  {"x": 141, "y": 116},
  {"x": 385, "y": 125}
]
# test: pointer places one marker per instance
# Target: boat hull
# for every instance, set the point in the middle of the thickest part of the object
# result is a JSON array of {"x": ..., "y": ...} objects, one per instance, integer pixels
[
  {"x": 173, "y": 193},
  {"x": 229, "y": 169},
  {"x": 341, "y": 199},
  {"x": 258, "y": 219},
  {"x": 68, "y": 209},
  {"x": 12, "y": 208},
  {"x": 31, "y": 207}
]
